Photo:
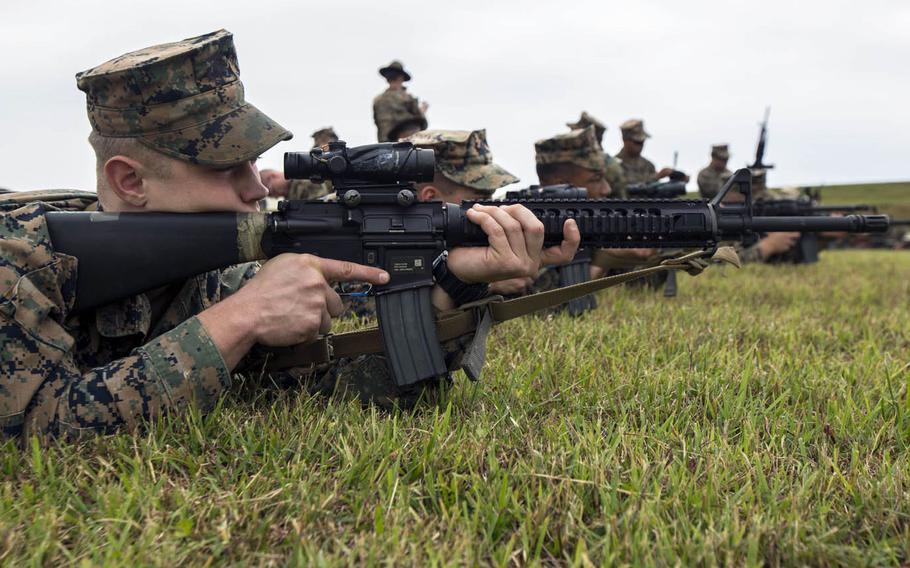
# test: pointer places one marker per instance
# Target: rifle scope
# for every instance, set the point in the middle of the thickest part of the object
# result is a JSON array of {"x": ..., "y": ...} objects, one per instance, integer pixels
[
  {"x": 373, "y": 163},
  {"x": 561, "y": 191}
]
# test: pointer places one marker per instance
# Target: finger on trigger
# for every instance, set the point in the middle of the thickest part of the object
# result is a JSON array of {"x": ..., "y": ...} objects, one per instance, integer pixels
[{"x": 346, "y": 271}]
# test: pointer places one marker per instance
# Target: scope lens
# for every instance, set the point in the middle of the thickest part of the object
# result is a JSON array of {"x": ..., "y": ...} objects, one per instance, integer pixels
[{"x": 299, "y": 165}]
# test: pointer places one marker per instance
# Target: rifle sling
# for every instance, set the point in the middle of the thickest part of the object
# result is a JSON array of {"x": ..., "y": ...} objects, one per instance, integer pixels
[{"x": 463, "y": 321}]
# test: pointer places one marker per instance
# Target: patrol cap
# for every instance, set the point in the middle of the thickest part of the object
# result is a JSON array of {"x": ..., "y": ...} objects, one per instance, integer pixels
[
  {"x": 327, "y": 132},
  {"x": 183, "y": 99},
  {"x": 588, "y": 120},
  {"x": 634, "y": 129},
  {"x": 720, "y": 151},
  {"x": 394, "y": 68},
  {"x": 464, "y": 157},
  {"x": 579, "y": 147}
]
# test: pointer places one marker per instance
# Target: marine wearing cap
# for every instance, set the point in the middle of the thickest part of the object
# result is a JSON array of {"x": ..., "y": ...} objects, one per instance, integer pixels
[
  {"x": 613, "y": 172},
  {"x": 183, "y": 99},
  {"x": 464, "y": 158},
  {"x": 323, "y": 136},
  {"x": 396, "y": 112},
  {"x": 578, "y": 147},
  {"x": 711, "y": 178},
  {"x": 636, "y": 168}
]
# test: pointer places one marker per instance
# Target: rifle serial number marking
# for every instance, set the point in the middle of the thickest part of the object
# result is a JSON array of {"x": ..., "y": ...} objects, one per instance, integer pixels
[{"x": 407, "y": 264}]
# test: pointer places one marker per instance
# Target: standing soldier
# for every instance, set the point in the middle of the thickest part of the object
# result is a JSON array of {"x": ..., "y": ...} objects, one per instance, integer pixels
[
  {"x": 636, "y": 168},
  {"x": 396, "y": 112},
  {"x": 300, "y": 188},
  {"x": 711, "y": 178},
  {"x": 613, "y": 172}
]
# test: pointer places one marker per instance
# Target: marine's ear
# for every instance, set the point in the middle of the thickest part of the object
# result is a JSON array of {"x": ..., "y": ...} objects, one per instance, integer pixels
[
  {"x": 429, "y": 192},
  {"x": 124, "y": 178}
]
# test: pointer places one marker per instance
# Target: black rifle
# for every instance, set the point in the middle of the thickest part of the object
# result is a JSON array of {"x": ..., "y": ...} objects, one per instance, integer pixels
[
  {"x": 807, "y": 247},
  {"x": 759, "y": 163},
  {"x": 657, "y": 190},
  {"x": 579, "y": 270},
  {"x": 378, "y": 221},
  {"x": 675, "y": 187}
]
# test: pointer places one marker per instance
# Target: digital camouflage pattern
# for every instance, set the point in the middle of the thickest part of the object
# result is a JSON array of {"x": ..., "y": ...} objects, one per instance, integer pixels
[
  {"x": 394, "y": 109},
  {"x": 634, "y": 129},
  {"x": 587, "y": 120},
  {"x": 64, "y": 199},
  {"x": 720, "y": 151},
  {"x": 464, "y": 157},
  {"x": 612, "y": 167},
  {"x": 710, "y": 180},
  {"x": 636, "y": 169},
  {"x": 308, "y": 190},
  {"x": 184, "y": 99},
  {"x": 578, "y": 147},
  {"x": 115, "y": 367}
]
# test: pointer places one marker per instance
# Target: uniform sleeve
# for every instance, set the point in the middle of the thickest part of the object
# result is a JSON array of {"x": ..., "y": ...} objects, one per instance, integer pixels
[
  {"x": 751, "y": 254},
  {"x": 43, "y": 390}
]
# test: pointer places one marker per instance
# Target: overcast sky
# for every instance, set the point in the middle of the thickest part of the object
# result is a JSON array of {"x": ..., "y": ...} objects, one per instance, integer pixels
[{"x": 834, "y": 72}]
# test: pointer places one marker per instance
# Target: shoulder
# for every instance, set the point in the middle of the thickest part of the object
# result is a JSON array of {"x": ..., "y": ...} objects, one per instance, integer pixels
[
  {"x": 62, "y": 199},
  {"x": 33, "y": 278}
]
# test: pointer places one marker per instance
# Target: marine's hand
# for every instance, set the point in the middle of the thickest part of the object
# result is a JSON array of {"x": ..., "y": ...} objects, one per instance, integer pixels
[
  {"x": 289, "y": 301},
  {"x": 516, "y": 242},
  {"x": 664, "y": 172},
  {"x": 424, "y": 106},
  {"x": 565, "y": 252},
  {"x": 274, "y": 180},
  {"x": 777, "y": 243},
  {"x": 512, "y": 286}
]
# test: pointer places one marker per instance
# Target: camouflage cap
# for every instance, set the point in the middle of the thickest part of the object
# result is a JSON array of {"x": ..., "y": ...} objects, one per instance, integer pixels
[
  {"x": 464, "y": 157},
  {"x": 588, "y": 120},
  {"x": 183, "y": 99},
  {"x": 325, "y": 133},
  {"x": 720, "y": 151},
  {"x": 394, "y": 68},
  {"x": 579, "y": 147},
  {"x": 634, "y": 129}
]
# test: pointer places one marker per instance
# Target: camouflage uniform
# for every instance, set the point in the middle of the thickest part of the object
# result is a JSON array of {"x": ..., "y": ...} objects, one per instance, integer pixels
[
  {"x": 141, "y": 357},
  {"x": 580, "y": 148},
  {"x": 463, "y": 157},
  {"x": 394, "y": 109},
  {"x": 636, "y": 169},
  {"x": 612, "y": 166},
  {"x": 710, "y": 179}
]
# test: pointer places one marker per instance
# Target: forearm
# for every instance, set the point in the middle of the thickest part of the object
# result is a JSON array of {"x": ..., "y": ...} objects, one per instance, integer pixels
[{"x": 230, "y": 329}]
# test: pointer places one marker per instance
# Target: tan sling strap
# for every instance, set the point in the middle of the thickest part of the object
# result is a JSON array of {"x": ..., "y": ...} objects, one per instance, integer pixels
[{"x": 465, "y": 320}]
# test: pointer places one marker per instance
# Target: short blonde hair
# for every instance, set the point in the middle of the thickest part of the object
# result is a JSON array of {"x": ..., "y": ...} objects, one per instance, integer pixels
[{"x": 106, "y": 147}]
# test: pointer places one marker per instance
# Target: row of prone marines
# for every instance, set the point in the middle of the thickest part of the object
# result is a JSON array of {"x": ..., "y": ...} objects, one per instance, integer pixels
[{"x": 172, "y": 132}]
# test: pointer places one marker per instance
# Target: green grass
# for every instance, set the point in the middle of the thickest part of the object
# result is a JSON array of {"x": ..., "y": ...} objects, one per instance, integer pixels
[
  {"x": 890, "y": 198},
  {"x": 761, "y": 418}
]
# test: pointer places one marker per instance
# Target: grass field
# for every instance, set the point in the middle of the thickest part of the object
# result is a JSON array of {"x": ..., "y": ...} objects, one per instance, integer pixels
[
  {"x": 761, "y": 418},
  {"x": 890, "y": 198}
]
